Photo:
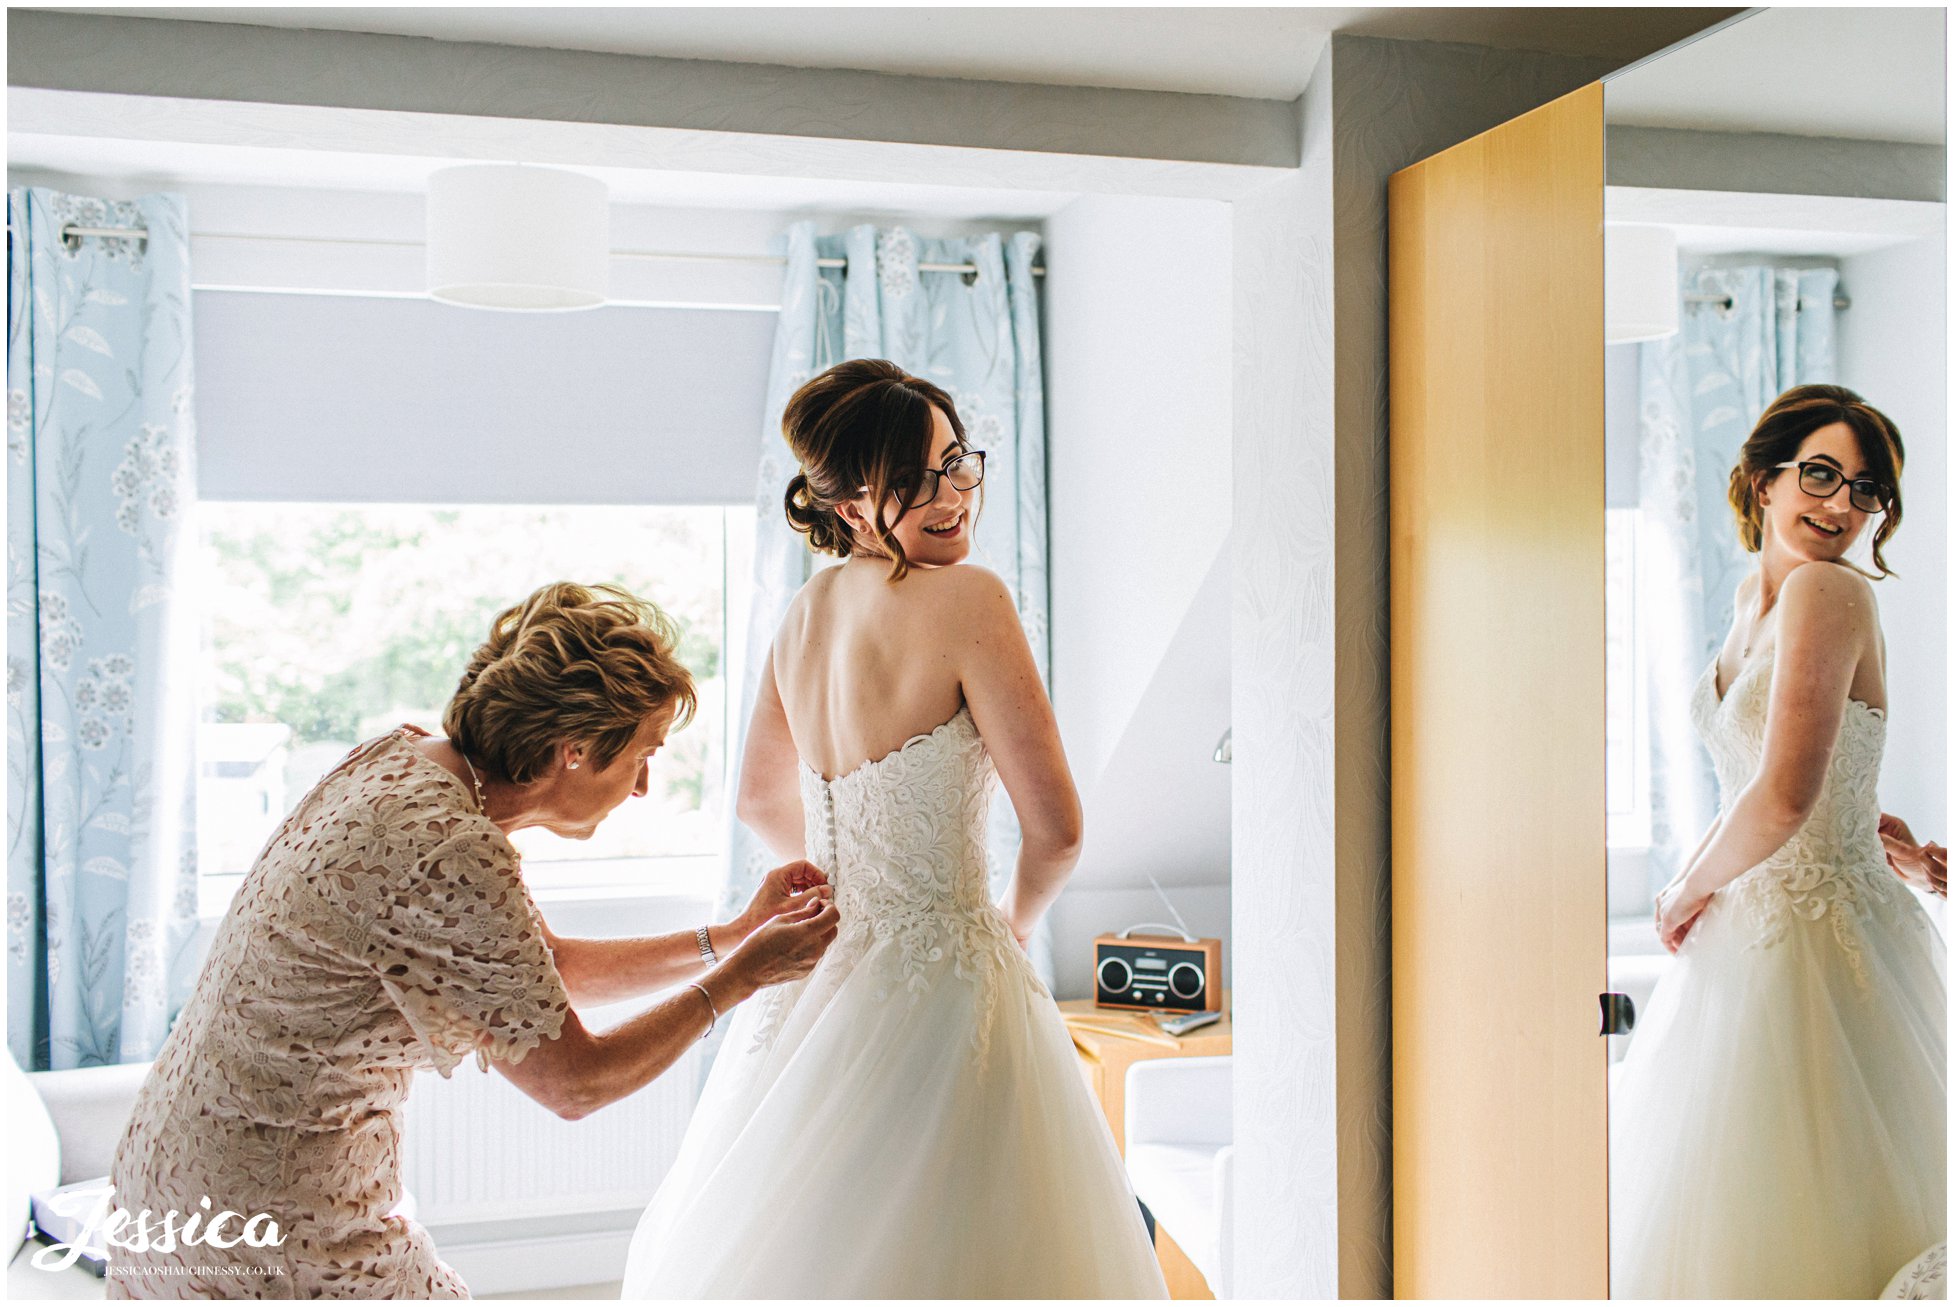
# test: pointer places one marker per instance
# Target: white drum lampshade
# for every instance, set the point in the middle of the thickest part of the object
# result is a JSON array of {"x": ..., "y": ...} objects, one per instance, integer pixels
[
  {"x": 1642, "y": 287},
  {"x": 504, "y": 236}
]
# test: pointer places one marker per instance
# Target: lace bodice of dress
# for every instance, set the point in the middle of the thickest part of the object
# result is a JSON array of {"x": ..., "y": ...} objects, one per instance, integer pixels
[
  {"x": 902, "y": 837},
  {"x": 903, "y": 841},
  {"x": 1835, "y": 864}
]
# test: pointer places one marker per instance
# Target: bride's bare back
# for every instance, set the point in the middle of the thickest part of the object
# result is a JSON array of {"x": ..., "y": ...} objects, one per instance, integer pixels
[
  {"x": 861, "y": 666},
  {"x": 864, "y": 666}
]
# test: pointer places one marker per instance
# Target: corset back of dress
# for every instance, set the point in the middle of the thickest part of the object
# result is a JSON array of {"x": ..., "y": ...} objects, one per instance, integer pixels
[
  {"x": 1835, "y": 861},
  {"x": 902, "y": 838}
]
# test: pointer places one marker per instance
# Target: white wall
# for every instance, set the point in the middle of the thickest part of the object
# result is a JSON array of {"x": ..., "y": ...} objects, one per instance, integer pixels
[
  {"x": 1139, "y": 404},
  {"x": 1893, "y": 350}
]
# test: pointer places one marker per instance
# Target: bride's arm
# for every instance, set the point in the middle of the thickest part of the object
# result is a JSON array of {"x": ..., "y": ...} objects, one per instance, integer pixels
[
  {"x": 770, "y": 791},
  {"x": 1008, "y": 704},
  {"x": 1825, "y": 625}
]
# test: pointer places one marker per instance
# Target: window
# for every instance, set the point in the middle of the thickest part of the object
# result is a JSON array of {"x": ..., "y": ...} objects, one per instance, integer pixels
[
  {"x": 1631, "y": 893},
  {"x": 326, "y": 624},
  {"x": 1627, "y": 687}
]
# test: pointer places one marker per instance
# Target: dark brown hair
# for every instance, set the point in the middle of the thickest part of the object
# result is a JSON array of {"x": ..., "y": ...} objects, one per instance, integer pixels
[
  {"x": 571, "y": 662},
  {"x": 865, "y": 422},
  {"x": 1793, "y": 416}
]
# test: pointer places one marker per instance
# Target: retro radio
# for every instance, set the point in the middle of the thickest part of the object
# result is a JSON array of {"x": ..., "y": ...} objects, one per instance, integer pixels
[{"x": 1172, "y": 972}]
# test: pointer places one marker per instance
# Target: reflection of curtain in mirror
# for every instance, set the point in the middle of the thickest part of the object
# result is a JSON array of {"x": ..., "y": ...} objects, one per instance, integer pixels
[
  {"x": 1702, "y": 392},
  {"x": 976, "y": 338}
]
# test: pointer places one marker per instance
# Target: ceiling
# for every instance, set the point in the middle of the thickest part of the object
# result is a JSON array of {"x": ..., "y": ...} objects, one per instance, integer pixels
[
  {"x": 1265, "y": 53},
  {"x": 1865, "y": 74}
]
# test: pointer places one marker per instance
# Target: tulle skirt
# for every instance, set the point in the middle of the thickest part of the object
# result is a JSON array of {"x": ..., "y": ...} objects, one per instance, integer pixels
[
  {"x": 1779, "y": 1124},
  {"x": 901, "y": 1124}
]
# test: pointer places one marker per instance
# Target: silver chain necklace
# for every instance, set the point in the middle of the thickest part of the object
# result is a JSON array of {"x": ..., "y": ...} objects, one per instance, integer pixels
[{"x": 481, "y": 798}]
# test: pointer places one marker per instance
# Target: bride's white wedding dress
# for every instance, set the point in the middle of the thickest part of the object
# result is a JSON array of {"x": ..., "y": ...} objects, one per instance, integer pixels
[
  {"x": 1779, "y": 1128},
  {"x": 909, "y": 1121}
]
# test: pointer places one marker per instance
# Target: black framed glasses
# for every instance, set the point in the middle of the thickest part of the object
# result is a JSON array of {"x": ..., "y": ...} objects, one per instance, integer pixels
[
  {"x": 1822, "y": 481},
  {"x": 965, "y": 472}
]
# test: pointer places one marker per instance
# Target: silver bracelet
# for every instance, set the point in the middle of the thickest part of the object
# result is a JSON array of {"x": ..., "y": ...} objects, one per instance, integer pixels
[
  {"x": 710, "y": 1006},
  {"x": 706, "y": 954}
]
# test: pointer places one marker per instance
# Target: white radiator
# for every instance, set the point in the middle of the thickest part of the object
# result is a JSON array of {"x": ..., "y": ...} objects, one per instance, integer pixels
[{"x": 475, "y": 1148}]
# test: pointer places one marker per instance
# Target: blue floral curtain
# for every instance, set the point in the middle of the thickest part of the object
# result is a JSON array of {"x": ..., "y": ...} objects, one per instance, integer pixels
[
  {"x": 975, "y": 335},
  {"x": 101, "y": 872},
  {"x": 1753, "y": 333}
]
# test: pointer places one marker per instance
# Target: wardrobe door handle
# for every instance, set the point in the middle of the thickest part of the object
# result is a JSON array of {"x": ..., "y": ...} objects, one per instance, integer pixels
[{"x": 1617, "y": 1014}]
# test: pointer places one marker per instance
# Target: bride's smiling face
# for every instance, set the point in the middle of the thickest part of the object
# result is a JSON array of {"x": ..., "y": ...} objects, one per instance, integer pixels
[
  {"x": 935, "y": 533},
  {"x": 1817, "y": 527}
]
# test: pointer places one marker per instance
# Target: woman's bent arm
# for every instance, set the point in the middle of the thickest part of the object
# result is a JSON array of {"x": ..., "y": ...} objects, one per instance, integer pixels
[
  {"x": 598, "y": 971},
  {"x": 578, "y": 1072},
  {"x": 1825, "y": 625},
  {"x": 770, "y": 790},
  {"x": 1008, "y": 703}
]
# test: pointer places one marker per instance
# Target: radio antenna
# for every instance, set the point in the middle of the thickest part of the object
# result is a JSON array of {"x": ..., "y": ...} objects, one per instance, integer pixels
[{"x": 1178, "y": 919}]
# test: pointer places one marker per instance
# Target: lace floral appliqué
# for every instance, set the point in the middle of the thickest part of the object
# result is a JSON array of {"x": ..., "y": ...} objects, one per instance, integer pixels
[
  {"x": 902, "y": 838},
  {"x": 1834, "y": 869}
]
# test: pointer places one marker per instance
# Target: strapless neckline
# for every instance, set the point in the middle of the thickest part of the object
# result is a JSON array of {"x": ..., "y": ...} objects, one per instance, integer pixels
[{"x": 961, "y": 714}]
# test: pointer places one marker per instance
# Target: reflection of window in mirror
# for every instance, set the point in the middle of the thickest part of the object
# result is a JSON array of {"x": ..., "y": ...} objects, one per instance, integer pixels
[{"x": 1631, "y": 879}]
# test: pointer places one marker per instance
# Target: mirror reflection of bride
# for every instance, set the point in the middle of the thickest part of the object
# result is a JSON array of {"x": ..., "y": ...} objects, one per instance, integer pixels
[{"x": 1779, "y": 1128}]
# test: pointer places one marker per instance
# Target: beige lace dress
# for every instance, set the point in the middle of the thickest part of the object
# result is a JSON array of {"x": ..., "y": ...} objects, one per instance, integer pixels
[{"x": 384, "y": 928}]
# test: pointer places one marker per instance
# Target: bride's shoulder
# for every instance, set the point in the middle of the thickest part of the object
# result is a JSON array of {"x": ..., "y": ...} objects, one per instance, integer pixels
[
  {"x": 1827, "y": 592},
  {"x": 964, "y": 603},
  {"x": 1821, "y": 578},
  {"x": 966, "y": 587}
]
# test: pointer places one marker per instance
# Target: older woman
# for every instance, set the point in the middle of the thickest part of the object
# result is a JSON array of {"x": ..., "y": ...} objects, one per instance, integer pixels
[{"x": 386, "y": 928}]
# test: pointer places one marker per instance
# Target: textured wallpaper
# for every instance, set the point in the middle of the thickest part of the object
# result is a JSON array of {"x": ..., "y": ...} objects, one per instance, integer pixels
[{"x": 1282, "y": 685}]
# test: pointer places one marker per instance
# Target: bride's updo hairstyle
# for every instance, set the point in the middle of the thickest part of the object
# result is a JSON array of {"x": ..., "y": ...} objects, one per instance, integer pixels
[
  {"x": 570, "y": 663},
  {"x": 861, "y": 423},
  {"x": 1782, "y": 430}
]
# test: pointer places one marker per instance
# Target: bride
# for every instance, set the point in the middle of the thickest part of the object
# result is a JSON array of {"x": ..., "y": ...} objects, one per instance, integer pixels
[
  {"x": 909, "y": 1121},
  {"x": 1780, "y": 1123}
]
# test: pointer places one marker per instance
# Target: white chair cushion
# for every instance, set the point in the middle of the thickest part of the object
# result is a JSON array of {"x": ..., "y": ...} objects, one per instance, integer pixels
[
  {"x": 90, "y": 1107},
  {"x": 1177, "y": 1183},
  {"x": 1925, "y": 1277},
  {"x": 33, "y": 1153}
]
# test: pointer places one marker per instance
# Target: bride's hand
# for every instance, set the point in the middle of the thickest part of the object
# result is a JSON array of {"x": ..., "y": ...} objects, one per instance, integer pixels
[
  {"x": 1676, "y": 910},
  {"x": 1923, "y": 865},
  {"x": 781, "y": 891},
  {"x": 1021, "y": 931}
]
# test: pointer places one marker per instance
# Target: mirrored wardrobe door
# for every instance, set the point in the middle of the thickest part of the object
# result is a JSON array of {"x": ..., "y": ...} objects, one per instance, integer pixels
[{"x": 1776, "y": 398}]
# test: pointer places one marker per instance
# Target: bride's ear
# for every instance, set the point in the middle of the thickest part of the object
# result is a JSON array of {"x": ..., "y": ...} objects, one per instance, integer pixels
[{"x": 852, "y": 512}]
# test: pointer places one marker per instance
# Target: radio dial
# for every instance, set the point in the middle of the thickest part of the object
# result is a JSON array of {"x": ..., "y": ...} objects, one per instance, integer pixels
[
  {"x": 1115, "y": 975},
  {"x": 1185, "y": 980}
]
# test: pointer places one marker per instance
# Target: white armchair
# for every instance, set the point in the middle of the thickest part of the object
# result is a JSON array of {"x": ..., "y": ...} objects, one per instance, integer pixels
[
  {"x": 1180, "y": 1155},
  {"x": 64, "y": 1126}
]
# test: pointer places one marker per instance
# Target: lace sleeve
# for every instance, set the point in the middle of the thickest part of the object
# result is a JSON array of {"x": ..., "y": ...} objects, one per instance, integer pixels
[{"x": 460, "y": 950}]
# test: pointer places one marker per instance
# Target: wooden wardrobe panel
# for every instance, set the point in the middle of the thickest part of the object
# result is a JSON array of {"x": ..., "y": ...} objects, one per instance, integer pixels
[{"x": 1498, "y": 908}]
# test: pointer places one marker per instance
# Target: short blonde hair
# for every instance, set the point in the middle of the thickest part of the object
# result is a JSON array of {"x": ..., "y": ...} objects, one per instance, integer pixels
[{"x": 571, "y": 662}]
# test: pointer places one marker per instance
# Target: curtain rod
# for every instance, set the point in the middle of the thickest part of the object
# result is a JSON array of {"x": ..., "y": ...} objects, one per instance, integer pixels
[
  {"x": 75, "y": 232},
  {"x": 1728, "y": 302}
]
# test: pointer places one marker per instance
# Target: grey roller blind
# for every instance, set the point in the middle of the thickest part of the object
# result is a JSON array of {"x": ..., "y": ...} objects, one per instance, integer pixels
[{"x": 334, "y": 398}]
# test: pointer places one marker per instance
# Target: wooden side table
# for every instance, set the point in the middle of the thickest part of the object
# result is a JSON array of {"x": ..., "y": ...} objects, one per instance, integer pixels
[{"x": 1105, "y": 1052}]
